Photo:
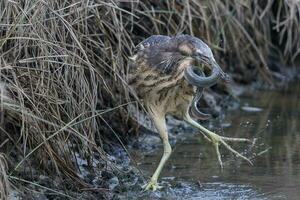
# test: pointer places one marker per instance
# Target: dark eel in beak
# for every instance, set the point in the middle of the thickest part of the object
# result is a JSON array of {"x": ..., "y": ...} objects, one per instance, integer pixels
[
  {"x": 196, "y": 77},
  {"x": 194, "y": 109},
  {"x": 202, "y": 81}
]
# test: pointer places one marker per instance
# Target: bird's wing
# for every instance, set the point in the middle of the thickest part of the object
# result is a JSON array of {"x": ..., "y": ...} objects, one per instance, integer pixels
[{"x": 153, "y": 40}]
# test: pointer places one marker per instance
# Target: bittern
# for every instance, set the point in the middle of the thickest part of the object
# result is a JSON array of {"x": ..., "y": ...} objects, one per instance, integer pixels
[{"x": 167, "y": 74}]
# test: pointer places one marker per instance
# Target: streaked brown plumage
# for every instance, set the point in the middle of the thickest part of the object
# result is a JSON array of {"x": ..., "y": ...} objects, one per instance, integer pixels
[
  {"x": 165, "y": 88},
  {"x": 159, "y": 63},
  {"x": 165, "y": 75}
]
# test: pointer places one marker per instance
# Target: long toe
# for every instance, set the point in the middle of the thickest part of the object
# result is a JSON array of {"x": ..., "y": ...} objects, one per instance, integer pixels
[
  {"x": 151, "y": 185},
  {"x": 217, "y": 140}
]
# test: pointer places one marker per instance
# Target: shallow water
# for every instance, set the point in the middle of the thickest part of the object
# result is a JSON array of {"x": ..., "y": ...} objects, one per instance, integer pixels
[{"x": 192, "y": 171}]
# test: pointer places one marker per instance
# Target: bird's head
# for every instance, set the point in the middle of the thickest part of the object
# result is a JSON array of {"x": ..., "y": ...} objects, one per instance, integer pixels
[
  {"x": 165, "y": 52},
  {"x": 194, "y": 47}
]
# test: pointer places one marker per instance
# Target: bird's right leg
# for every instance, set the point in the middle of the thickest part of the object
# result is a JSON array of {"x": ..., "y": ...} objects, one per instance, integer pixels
[
  {"x": 217, "y": 139},
  {"x": 159, "y": 120}
]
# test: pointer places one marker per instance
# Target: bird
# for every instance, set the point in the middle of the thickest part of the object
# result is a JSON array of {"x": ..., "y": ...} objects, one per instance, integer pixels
[{"x": 168, "y": 74}]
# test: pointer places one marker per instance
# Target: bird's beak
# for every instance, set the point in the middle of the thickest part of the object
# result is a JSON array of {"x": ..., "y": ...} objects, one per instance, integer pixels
[
  {"x": 225, "y": 77},
  {"x": 211, "y": 62},
  {"x": 194, "y": 78}
]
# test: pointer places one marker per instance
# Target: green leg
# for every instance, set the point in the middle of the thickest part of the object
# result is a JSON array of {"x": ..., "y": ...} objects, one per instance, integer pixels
[
  {"x": 217, "y": 140},
  {"x": 160, "y": 123}
]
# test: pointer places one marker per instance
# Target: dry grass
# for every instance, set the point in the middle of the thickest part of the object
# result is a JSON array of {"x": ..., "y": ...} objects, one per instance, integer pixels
[
  {"x": 4, "y": 182},
  {"x": 64, "y": 65}
]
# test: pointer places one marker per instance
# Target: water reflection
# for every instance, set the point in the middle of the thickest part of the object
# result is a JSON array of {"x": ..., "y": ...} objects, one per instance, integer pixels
[{"x": 193, "y": 173}]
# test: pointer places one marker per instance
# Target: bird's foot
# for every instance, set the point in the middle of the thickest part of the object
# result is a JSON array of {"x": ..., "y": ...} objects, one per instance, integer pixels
[
  {"x": 152, "y": 184},
  {"x": 217, "y": 140}
]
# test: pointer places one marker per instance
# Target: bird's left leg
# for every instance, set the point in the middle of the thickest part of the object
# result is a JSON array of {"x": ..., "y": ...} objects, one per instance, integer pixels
[
  {"x": 160, "y": 123},
  {"x": 217, "y": 139}
]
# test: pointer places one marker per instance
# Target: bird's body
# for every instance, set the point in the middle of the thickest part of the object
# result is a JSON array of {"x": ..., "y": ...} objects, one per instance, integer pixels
[
  {"x": 165, "y": 76},
  {"x": 166, "y": 89},
  {"x": 158, "y": 75}
]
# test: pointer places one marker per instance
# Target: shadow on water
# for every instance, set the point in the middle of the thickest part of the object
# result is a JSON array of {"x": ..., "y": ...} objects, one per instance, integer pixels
[{"x": 193, "y": 173}]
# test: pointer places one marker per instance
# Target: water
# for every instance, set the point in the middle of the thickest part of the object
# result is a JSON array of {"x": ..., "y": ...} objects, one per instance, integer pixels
[{"x": 192, "y": 171}]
